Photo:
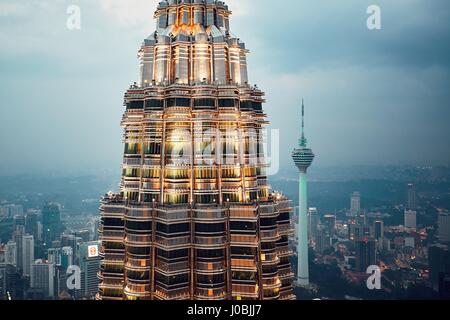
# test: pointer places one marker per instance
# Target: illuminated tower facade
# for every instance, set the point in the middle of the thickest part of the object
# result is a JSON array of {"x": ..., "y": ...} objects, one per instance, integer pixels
[
  {"x": 303, "y": 158},
  {"x": 195, "y": 218}
]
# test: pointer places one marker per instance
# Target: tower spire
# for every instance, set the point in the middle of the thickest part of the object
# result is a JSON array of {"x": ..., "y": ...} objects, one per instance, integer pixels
[{"x": 303, "y": 141}]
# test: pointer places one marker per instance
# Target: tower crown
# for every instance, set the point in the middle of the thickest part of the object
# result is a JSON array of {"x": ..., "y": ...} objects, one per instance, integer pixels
[
  {"x": 303, "y": 156},
  {"x": 192, "y": 45}
]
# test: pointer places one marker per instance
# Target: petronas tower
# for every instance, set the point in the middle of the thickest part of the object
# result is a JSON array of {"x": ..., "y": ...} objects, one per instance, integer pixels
[{"x": 195, "y": 218}]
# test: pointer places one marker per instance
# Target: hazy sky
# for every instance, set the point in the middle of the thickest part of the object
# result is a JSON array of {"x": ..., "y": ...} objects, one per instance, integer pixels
[{"x": 372, "y": 97}]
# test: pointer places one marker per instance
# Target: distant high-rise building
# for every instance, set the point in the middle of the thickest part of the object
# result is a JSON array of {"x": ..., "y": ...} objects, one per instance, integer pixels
[
  {"x": 73, "y": 242},
  {"x": 313, "y": 222},
  {"x": 355, "y": 203},
  {"x": 378, "y": 228},
  {"x": 444, "y": 227},
  {"x": 329, "y": 222},
  {"x": 444, "y": 286},
  {"x": 303, "y": 158},
  {"x": 366, "y": 254},
  {"x": 54, "y": 255},
  {"x": 411, "y": 219},
  {"x": 3, "y": 288},
  {"x": 85, "y": 235},
  {"x": 356, "y": 231},
  {"x": 410, "y": 242},
  {"x": 322, "y": 240},
  {"x": 18, "y": 239},
  {"x": 412, "y": 205},
  {"x": 19, "y": 221},
  {"x": 439, "y": 263},
  {"x": 66, "y": 257},
  {"x": 51, "y": 223},
  {"x": 31, "y": 224},
  {"x": 28, "y": 254},
  {"x": 195, "y": 217},
  {"x": 90, "y": 266},
  {"x": 11, "y": 253},
  {"x": 43, "y": 278}
]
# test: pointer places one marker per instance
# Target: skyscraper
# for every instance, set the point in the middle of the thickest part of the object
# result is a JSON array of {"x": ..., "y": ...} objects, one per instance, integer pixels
[
  {"x": 2, "y": 281},
  {"x": 444, "y": 227},
  {"x": 329, "y": 222},
  {"x": 18, "y": 239},
  {"x": 43, "y": 277},
  {"x": 90, "y": 265},
  {"x": 303, "y": 158},
  {"x": 439, "y": 262},
  {"x": 411, "y": 219},
  {"x": 366, "y": 254},
  {"x": 378, "y": 227},
  {"x": 11, "y": 253},
  {"x": 31, "y": 224},
  {"x": 28, "y": 254},
  {"x": 313, "y": 222},
  {"x": 194, "y": 218},
  {"x": 411, "y": 197},
  {"x": 51, "y": 223},
  {"x": 355, "y": 203}
]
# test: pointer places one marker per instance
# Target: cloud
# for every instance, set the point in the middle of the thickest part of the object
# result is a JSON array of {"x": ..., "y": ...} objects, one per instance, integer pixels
[
  {"x": 12, "y": 9},
  {"x": 136, "y": 13}
]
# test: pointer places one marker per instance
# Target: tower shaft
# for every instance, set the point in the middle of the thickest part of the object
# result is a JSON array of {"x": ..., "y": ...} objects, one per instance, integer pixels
[{"x": 302, "y": 245}]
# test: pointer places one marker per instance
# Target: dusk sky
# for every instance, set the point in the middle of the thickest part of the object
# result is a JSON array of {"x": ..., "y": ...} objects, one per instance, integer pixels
[{"x": 375, "y": 97}]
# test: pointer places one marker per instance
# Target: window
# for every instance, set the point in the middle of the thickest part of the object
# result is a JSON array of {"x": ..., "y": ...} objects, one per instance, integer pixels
[
  {"x": 151, "y": 173},
  {"x": 152, "y": 148},
  {"x": 227, "y": 103},
  {"x": 208, "y": 103},
  {"x": 205, "y": 173},
  {"x": 175, "y": 198},
  {"x": 231, "y": 197},
  {"x": 172, "y": 228},
  {"x": 178, "y": 102},
  {"x": 135, "y": 105},
  {"x": 242, "y": 226},
  {"x": 209, "y": 254},
  {"x": 154, "y": 104},
  {"x": 133, "y": 148},
  {"x": 138, "y": 226},
  {"x": 132, "y": 173},
  {"x": 206, "y": 198},
  {"x": 209, "y": 227}
]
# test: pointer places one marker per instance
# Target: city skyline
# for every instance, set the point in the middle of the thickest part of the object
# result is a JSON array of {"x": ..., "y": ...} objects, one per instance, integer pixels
[
  {"x": 359, "y": 82},
  {"x": 137, "y": 163}
]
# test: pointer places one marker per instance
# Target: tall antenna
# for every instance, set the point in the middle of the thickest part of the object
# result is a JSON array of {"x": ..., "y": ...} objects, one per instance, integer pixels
[
  {"x": 303, "y": 141},
  {"x": 303, "y": 119}
]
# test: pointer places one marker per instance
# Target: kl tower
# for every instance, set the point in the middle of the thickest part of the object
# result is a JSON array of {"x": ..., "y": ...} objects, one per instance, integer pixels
[{"x": 303, "y": 158}]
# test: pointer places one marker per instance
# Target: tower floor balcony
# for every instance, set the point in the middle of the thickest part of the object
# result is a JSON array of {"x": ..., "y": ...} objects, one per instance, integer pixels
[
  {"x": 284, "y": 251},
  {"x": 211, "y": 294},
  {"x": 244, "y": 240},
  {"x": 243, "y": 265},
  {"x": 209, "y": 242},
  {"x": 271, "y": 283},
  {"x": 270, "y": 235},
  {"x": 250, "y": 291},
  {"x": 172, "y": 243},
  {"x": 138, "y": 264},
  {"x": 137, "y": 291},
  {"x": 174, "y": 294},
  {"x": 111, "y": 235},
  {"x": 210, "y": 214},
  {"x": 174, "y": 214},
  {"x": 138, "y": 240},
  {"x": 172, "y": 267},
  {"x": 210, "y": 267}
]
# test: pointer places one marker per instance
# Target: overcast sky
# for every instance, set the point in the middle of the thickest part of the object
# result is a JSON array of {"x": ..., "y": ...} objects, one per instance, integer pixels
[{"x": 372, "y": 96}]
